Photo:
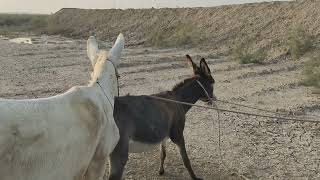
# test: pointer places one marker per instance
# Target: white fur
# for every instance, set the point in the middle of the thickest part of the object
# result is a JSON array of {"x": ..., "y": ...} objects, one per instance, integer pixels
[
  {"x": 64, "y": 137},
  {"x": 92, "y": 49},
  {"x": 139, "y": 147}
]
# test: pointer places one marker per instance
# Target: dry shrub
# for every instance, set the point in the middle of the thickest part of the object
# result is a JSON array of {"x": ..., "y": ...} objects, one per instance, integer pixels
[
  {"x": 23, "y": 23},
  {"x": 312, "y": 72},
  {"x": 214, "y": 56},
  {"x": 246, "y": 54},
  {"x": 55, "y": 27},
  {"x": 180, "y": 35},
  {"x": 158, "y": 39},
  {"x": 299, "y": 42},
  {"x": 186, "y": 34}
]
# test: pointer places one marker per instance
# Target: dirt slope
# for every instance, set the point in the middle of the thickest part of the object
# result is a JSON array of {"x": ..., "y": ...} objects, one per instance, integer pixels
[{"x": 268, "y": 23}]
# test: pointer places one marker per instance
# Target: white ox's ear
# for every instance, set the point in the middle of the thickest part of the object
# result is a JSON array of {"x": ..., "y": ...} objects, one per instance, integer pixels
[
  {"x": 92, "y": 50},
  {"x": 115, "y": 52}
]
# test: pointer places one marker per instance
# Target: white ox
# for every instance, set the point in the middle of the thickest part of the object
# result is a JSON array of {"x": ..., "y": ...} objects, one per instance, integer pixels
[{"x": 65, "y": 137}]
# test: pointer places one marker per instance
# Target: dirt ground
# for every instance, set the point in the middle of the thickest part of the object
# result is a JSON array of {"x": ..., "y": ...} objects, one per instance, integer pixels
[{"x": 255, "y": 147}]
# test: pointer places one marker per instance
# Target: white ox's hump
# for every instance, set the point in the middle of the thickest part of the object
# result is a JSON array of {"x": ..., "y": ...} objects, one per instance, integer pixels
[{"x": 115, "y": 52}]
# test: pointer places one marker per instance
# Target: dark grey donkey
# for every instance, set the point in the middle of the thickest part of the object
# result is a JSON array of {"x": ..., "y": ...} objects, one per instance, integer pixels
[{"x": 145, "y": 122}]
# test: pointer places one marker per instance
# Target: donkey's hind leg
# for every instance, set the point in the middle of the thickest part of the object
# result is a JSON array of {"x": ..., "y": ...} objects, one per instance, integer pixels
[
  {"x": 162, "y": 157},
  {"x": 179, "y": 141},
  {"x": 118, "y": 160}
]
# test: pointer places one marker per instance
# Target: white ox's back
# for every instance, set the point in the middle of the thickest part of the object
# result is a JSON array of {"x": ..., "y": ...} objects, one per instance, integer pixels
[{"x": 53, "y": 138}]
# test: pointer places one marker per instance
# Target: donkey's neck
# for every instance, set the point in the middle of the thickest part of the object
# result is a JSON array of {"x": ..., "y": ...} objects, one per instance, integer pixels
[
  {"x": 190, "y": 92},
  {"x": 106, "y": 79}
]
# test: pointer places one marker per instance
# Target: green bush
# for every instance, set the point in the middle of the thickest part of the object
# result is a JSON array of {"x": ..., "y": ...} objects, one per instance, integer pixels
[
  {"x": 299, "y": 42},
  {"x": 312, "y": 72}
]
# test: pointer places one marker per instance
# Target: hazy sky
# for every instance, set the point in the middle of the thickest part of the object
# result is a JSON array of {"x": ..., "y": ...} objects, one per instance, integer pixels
[{"x": 49, "y": 6}]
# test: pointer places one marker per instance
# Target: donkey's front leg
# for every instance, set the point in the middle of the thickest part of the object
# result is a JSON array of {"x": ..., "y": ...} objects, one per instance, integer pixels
[
  {"x": 179, "y": 141},
  {"x": 162, "y": 157}
]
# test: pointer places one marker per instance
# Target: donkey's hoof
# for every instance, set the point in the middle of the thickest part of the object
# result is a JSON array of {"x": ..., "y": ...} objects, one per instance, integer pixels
[
  {"x": 197, "y": 178},
  {"x": 161, "y": 172}
]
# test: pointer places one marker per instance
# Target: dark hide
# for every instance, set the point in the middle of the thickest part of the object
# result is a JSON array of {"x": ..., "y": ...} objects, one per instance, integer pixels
[{"x": 150, "y": 121}]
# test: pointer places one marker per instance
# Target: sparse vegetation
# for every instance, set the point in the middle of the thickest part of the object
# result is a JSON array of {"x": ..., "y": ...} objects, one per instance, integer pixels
[
  {"x": 312, "y": 72},
  {"x": 245, "y": 54},
  {"x": 53, "y": 27},
  {"x": 157, "y": 38},
  {"x": 214, "y": 56},
  {"x": 299, "y": 42},
  {"x": 181, "y": 35},
  {"x": 23, "y": 23}
]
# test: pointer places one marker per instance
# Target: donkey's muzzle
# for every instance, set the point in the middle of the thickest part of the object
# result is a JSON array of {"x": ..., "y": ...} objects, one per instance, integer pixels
[{"x": 214, "y": 98}]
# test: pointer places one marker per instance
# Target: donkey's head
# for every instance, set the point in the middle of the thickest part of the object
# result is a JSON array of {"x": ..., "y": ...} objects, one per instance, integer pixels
[
  {"x": 104, "y": 63},
  {"x": 204, "y": 79}
]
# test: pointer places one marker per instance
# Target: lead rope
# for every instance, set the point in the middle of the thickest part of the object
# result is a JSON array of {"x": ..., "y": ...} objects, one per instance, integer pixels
[
  {"x": 117, "y": 76},
  {"x": 118, "y": 89},
  {"x": 214, "y": 105},
  {"x": 105, "y": 96},
  {"x": 219, "y": 128},
  {"x": 266, "y": 110},
  {"x": 236, "y": 112}
]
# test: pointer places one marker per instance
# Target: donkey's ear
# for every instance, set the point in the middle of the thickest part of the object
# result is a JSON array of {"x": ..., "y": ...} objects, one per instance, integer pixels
[
  {"x": 204, "y": 67},
  {"x": 192, "y": 64},
  {"x": 115, "y": 52},
  {"x": 92, "y": 50}
]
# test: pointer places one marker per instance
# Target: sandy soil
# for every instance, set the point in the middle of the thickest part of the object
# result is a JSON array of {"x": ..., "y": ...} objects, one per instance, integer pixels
[{"x": 257, "y": 148}]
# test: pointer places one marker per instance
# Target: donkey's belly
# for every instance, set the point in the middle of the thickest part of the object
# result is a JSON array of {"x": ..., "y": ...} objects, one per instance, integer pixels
[{"x": 139, "y": 147}]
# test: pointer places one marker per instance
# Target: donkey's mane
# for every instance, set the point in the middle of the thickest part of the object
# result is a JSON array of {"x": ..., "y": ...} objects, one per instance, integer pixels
[
  {"x": 99, "y": 66},
  {"x": 180, "y": 84}
]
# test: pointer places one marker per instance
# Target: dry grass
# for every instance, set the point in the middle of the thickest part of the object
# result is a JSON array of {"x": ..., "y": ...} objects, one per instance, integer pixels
[
  {"x": 23, "y": 23},
  {"x": 246, "y": 54},
  {"x": 157, "y": 39},
  {"x": 312, "y": 72},
  {"x": 299, "y": 42},
  {"x": 54, "y": 27},
  {"x": 214, "y": 56},
  {"x": 181, "y": 35}
]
